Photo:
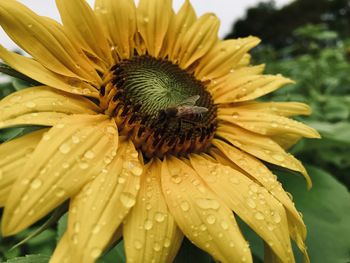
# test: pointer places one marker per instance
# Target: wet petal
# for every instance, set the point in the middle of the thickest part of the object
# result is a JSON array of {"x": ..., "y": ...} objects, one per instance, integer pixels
[
  {"x": 13, "y": 156},
  {"x": 62, "y": 251},
  {"x": 119, "y": 21},
  {"x": 224, "y": 57},
  {"x": 266, "y": 124},
  {"x": 179, "y": 25},
  {"x": 261, "y": 147},
  {"x": 41, "y": 38},
  {"x": 261, "y": 211},
  {"x": 153, "y": 18},
  {"x": 249, "y": 88},
  {"x": 201, "y": 216},
  {"x": 41, "y": 106},
  {"x": 198, "y": 40},
  {"x": 286, "y": 109},
  {"x": 36, "y": 71},
  {"x": 72, "y": 153},
  {"x": 97, "y": 211},
  {"x": 150, "y": 231},
  {"x": 264, "y": 176},
  {"x": 81, "y": 23}
]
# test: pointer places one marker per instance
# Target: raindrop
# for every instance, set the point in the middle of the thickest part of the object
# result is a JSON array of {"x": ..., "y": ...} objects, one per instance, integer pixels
[
  {"x": 138, "y": 244},
  {"x": 251, "y": 203},
  {"x": 211, "y": 219},
  {"x": 75, "y": 139},
  {"x": 167, "y": 242},
  {"x": 185, "y": 206},
  {"x": 30, "y": 105},
  {"x": 121, "y": 180},
  {"x": 36, "y": 183},
  {"x": 224, "y": 225},
  {"x": 157, "y": 247},
  {"x": 96, "y": 252},
  {"x": 96, "y": 229},
  {"x": 89, "y": 155},
  {"x": 46, "y": 137},
  {"x": 278, "y": 157},
  {"x": 148, "y": 225},
  {"x": 253, "y": 188},
  {"x": 60, "y": 192},
  {"x": 207, "y": 203},
  {"x": 276, "y": 217},
  {"x": 83, "y": 165},
  {"x": 176, "y": 179},
  {"x": 159, "y": 217},
  {"x": 259, "y": 216},
  {"x": 76, "y": 227},
  {"x": 64, "y": 148},
  {"x": 127, "y": 199}
]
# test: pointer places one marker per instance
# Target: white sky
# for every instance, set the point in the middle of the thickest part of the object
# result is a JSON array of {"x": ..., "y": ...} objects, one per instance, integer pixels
[{"x": 227, "y": 10}]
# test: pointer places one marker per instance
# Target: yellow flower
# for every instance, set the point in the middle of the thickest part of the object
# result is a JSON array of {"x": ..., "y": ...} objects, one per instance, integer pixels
[{"x": 154, "y": 134}]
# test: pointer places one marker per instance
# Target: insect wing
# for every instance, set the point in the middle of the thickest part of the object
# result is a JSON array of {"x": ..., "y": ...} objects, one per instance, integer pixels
[
  {"x": 191, "y": 101},
  {"x": 190, "y": 110}
]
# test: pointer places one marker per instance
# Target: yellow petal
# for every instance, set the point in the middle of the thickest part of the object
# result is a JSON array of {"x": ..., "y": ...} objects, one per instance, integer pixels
[
  {"x": 42, "y": 106},
  {"x": 179, "y": 25},
  {"x": 261, "y": 147},
  {"x": 62, "y": 251},
  {"x": 119, "y": 21},
  {"x": 266, "y": 124},
  {"x": 249, "y": 88},
  {"x": 40, "y": 38},
  {"x": 36, "y": 71},
  {"x": 198, "y": 40},
  {"x": 224, "y": 57},
  {"x": 286, "y": 140},
  {"x": 81, "y": 23},
  {"x": 67, "y": 157},
  {"x": 97, "y": 211},
  {"x": 251, "y": 202},
  {"x": 286, "y": 109},
  {"x": 150, "y": 232},
  {"x": 153, "y": 18},
  {"x": 222, "y": 85},
  {"x": 261, "y": 174},
  {"x": 201, "y": 216},
  {"x": 13, "y": 156}
]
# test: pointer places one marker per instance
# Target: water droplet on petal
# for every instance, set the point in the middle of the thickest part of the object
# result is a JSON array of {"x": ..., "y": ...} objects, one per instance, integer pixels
[
  {"x": 157, "y": 247},
  {"x": 128, "y": 200},
  {"x": 148, "y": 225},
  {"x": 224, "y": 225},
  {"x": 278, "y": 157},
  {"x": 211, "y": 219},
  {"x": 37, "y": 183},
  {"x": 159, "y": 217},
  {"x": 251, "y": 203},
  {"x": 64, "y": 148},
  {"x": 89, "y": 155},
  {"x": 207, "y": 203},
  {"x": 259, "y": 216},
  {"x": 96, "y": 252},
  {"x": 60, "y": 192},
  {"x": 276, "y": 217},
  {"x": 185, "y": 206},
  {"x": 96, "y": 229},
  {"x": 138, "y": 244},
  {"x": 167, "y": 242},
  {"x": 30, "y": 105}
]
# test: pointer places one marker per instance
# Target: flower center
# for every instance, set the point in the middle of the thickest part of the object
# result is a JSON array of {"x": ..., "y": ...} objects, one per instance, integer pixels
[{"x": 161, "y": 107}]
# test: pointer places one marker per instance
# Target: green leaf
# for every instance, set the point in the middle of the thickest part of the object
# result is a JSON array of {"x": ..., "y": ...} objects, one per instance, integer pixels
[
  {"x": 62, "y": 226},
  {"x": 326, "y": 213},
  {"x": 30, "y": 259},
  {"x": 337, "y": 132},
  {"x": 116, "y": 254},
  {"x": 190, "y": 253}
]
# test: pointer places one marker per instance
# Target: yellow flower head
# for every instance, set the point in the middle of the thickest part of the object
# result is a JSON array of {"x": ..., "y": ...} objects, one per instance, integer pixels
[{"x": 153, "y": 133}]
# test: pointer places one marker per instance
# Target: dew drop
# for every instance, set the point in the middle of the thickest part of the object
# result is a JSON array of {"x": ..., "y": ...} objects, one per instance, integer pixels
[
  {"x": 89, "y": 155},
  {"x": 37, "y": 183},
  {"x": 224, "y": 225},
  {"x": 138, "y": 244},
  {"x": 211, "y": 219},
  {"x": 75, "y": 139},
  {"x": 185, "y": 206},
  {"x": 276, "y": 217},
  {"x": 167, "y": 242},
  {"x": 157, "y": 247},
  {"x": 251, "y": 203},
  {"x": 46, "y": 137},
  {"x": 253, "y": 188},
  {"x": 128, "y": 200},
  {"x": 176, "y": 179},
  {"x": 259, "y": 216},
  {"x": 60, "y": 192},
  {"x": 96, "y": 229},
  {"x": 121, "y": 180},
  {"x": 76, "y": 227},
  {"x": 64, "y": 148},
  {"x": 203, "y": 227},
  {"x": 30, "y": 105},
  {"x": 83, "y": 165},
  {"x": 148, "y": 225},
  {"x": 159, "y": 217},
  {"x": 207, "y": 203},
  {"x": 96, "y": 252},
  {"x": 278, "y": 157}
]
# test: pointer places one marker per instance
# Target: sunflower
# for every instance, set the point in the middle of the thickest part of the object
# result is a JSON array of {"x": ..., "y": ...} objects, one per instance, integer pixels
[{"x": 152, "y": 134}]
